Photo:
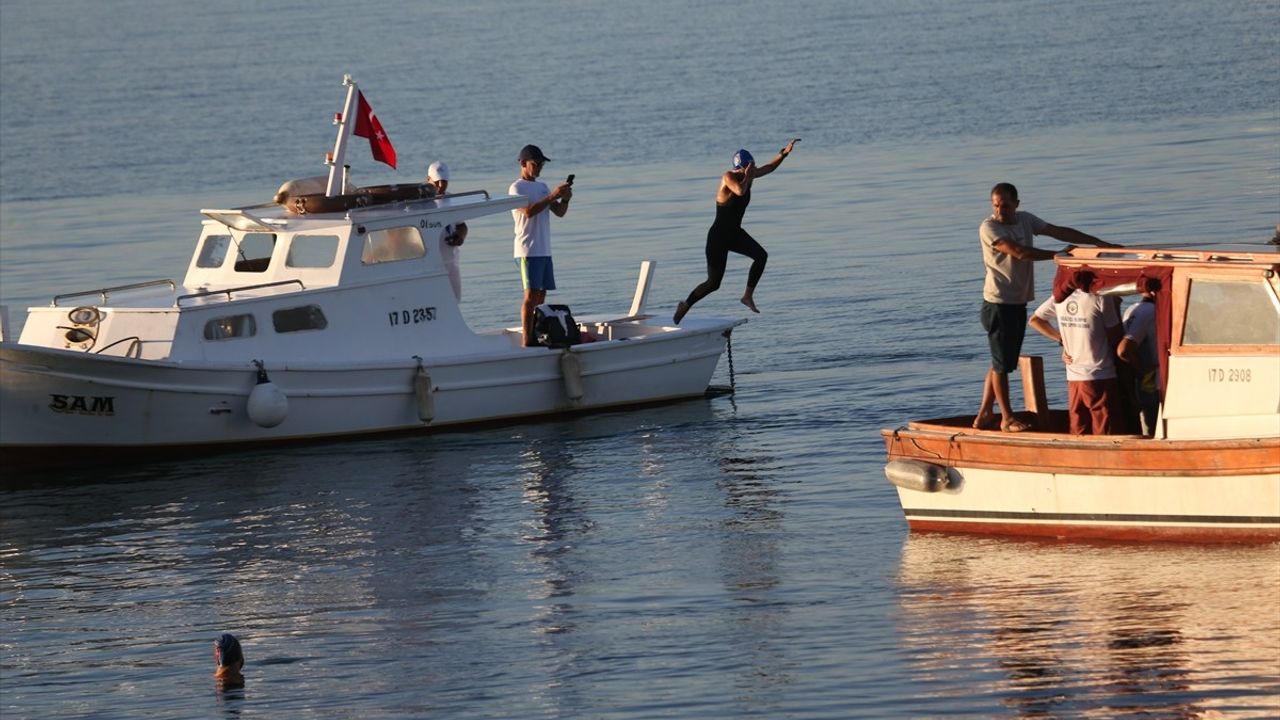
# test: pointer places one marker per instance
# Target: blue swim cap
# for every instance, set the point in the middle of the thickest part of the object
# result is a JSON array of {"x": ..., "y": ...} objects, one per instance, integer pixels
[{"x": 741, "y": 159}]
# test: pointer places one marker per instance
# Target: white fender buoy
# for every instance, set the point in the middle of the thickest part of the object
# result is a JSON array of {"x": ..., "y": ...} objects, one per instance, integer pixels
[
  {"x": 571, "y": 369},
  {"x": 267, "y": 406},
  {"x": 916, "y": 475},
  {"x": 422, "y": 394}
]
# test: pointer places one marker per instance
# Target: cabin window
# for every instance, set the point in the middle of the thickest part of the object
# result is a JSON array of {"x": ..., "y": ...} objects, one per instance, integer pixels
[
  {"x": 312, "y": 251},
  {"x": 1221, "y": 312},
  {"x": 254, "y": 253},
  {"x": 307, "y": 317},
  {"x": 403, "y": 243},
  {"x": 213, "y": 251},
  {"x": 232, "y": 326}
]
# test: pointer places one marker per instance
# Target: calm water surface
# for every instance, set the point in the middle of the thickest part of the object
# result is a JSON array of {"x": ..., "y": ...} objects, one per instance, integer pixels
[{"x": 740, "y": 556}]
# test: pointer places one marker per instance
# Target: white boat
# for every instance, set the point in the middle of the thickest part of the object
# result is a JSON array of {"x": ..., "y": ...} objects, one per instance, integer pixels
[
  {"x": 327, "y": 316},
  {"x": 1209, "y": 471}
]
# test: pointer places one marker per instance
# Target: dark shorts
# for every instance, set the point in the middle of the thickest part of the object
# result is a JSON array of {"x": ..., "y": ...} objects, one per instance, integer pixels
[
  {"x": 537, "y": 273},
  {"x": 1006, "y": 325}
]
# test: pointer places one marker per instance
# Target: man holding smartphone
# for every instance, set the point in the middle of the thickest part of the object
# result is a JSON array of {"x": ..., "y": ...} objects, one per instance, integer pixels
[{"x": 532, "y": 248}]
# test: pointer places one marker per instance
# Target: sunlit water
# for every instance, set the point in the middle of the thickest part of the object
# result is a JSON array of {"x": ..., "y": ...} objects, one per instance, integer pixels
[{"x": 740, "y": 556}]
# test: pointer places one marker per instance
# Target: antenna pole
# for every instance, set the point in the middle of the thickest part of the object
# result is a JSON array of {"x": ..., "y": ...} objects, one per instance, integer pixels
[{"x": 335, "y": 159}]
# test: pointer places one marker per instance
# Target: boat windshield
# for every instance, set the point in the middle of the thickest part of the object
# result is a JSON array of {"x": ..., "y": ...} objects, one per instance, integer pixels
[
  {"x": 402, "y": 243},
  {"x": 1222, "y": 312},
  {"x": 213, "y": 251}
]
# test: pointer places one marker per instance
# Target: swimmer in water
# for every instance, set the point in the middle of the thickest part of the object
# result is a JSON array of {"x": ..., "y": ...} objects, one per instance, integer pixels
[
  {"x": 229, "y": 661},
  {"x": 726, "y": 234}
]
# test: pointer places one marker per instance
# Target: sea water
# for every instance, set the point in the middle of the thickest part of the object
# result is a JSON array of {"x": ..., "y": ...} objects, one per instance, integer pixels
[{"x": 738, "y": 556}]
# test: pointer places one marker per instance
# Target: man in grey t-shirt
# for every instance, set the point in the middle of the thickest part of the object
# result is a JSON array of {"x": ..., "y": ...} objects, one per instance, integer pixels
[{"x": 1007, "y": 253}]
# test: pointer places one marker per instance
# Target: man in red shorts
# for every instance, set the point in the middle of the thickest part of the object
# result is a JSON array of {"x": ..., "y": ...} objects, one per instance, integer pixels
[{"x": 1088, "y": 330}]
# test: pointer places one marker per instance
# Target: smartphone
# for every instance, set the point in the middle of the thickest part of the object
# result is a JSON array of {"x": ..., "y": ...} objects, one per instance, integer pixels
[{"x": 569, "y": 180}]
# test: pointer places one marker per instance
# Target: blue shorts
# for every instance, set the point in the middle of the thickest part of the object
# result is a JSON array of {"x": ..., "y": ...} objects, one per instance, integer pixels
[{"x": 537, "y": 273}]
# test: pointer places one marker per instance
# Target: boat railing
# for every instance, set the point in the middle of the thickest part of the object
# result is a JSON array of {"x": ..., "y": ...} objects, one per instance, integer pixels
[
  {"x": 105, "y": 292},
  {"x": 241, "y": 288},
  {"x": 415, "y": 201},
  {"x": 485, "y": 193}
]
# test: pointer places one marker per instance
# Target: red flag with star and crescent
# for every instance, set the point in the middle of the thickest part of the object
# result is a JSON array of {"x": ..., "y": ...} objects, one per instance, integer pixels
[{"x": 367, "y": 126}]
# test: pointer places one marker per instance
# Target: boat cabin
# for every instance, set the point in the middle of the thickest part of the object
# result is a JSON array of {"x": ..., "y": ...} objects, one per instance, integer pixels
[
  {"x": 267, "y": 282},
  {"x": 1217, "y": 332}
]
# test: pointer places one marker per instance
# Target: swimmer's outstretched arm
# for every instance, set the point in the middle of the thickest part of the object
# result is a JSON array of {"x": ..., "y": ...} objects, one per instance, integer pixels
[{"x": 773, "y": 164}]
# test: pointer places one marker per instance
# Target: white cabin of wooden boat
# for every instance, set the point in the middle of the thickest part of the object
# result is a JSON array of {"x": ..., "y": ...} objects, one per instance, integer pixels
[{"x": 1224, "y": 350}]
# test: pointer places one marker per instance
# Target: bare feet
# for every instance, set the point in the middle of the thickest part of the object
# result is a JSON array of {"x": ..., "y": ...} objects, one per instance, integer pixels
[
  {"x": 984, "y": 421},
  {"x": 1013, "y": 425},
  {"x": 746, "y": 300},
  {"x": 681, "y": 310}
]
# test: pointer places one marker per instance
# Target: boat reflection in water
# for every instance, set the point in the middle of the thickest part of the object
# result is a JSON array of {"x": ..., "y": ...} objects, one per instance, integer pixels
[{"x": 1048, "y": 629}]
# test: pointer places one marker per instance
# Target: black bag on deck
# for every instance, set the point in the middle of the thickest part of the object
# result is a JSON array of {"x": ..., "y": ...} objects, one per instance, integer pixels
[{"x": 554, "y": 326}]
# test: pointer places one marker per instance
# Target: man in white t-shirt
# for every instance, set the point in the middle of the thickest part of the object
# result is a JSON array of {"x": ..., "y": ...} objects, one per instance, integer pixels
[
  {"x": 453, "y": 235},
  {"x": 1008, "y": 252},
  {"x": 1088, "y": 331},
  {"x": 533, "y": 232}
]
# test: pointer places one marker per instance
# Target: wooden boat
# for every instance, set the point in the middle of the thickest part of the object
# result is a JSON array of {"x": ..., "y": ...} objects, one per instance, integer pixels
[
  {"x": 313, "y": 318},
  {"x": 1210, "y": 470}
]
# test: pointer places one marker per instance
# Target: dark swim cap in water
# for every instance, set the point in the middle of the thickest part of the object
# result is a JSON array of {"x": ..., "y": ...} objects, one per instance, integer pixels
[
  {"x": 227, "y": 650},
  {"x": 741, "y": 159}
]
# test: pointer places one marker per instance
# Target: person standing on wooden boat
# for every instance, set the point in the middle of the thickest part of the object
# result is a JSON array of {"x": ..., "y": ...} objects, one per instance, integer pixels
[
  {"x": 533, "y": 232},
  {"x": 726, "y": 234},
  {"x": 1138, "y": 349},
  {"x": 452, "y": 237},
  {"x": 1088, "y": 331},
  {"x": 1008, "y": 253}
]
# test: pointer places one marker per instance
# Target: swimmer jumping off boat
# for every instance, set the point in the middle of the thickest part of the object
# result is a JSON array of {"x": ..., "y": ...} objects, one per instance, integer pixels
[{"x": 726, "y": 234}]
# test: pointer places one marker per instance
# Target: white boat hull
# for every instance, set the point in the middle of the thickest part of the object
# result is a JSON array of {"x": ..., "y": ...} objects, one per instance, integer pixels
[
  {"x": 955, "y": 479},
  {"x": 1064, "y": 505},
  {"x": 56, "y": 400}
]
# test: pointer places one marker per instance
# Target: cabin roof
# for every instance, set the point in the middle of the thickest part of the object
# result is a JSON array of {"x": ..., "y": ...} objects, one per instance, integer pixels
[
  {"x": 270, "y": 217},
  {"x": 1227, "y": 254}
]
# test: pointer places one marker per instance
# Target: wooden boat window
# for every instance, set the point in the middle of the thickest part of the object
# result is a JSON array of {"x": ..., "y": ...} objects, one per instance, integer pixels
[
  {"x": 254, "y": 252},
  {"x": 1222, "y": 312},
  {"x": 307, "y": 317},
  {"x": 232, "y": 326},
  {"x": 402, "y": 243},
  {"x": 213, "y": 251},
  {"x": 312, "y": 251}
]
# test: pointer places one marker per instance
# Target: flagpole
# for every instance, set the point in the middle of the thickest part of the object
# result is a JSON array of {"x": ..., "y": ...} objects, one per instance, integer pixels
[{"x": 343, "y": 121}]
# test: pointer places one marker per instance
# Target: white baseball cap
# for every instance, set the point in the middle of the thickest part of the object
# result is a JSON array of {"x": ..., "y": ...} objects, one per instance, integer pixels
[{"x": 438, "y": 171}]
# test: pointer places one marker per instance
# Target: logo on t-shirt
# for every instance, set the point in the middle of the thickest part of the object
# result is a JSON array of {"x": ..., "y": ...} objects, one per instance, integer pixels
[{"x": 1073, "y": 308}]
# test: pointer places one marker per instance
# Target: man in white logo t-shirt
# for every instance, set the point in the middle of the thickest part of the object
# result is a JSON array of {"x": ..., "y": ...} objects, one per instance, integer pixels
[{"x": 1088, "y": 331}]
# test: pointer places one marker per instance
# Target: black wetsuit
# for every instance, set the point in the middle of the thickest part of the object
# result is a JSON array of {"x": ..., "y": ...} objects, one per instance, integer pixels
[{"x": 726, "y": 235}]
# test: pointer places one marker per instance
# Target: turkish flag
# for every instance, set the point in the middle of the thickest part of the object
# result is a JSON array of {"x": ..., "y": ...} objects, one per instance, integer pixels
[{"x": 367, "y": 126}]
